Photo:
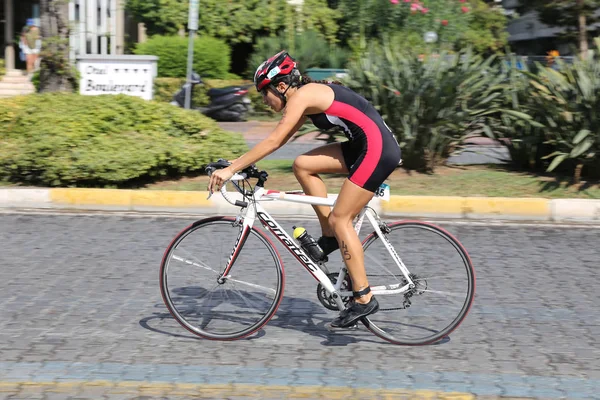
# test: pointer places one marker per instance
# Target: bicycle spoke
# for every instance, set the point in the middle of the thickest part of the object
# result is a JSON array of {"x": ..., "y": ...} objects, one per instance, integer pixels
[
  {"x": 207, "y": 316},
  {"x": 267, "y": 290},
  {"x": 430, "y": 278},
  {"x": 391, "y": 274},
  {"x": 187, "y": 254},
  {"x": 195, "y": 264},
  {"x": 244, "y": 298},
  {"x": 448, "y": 294}
]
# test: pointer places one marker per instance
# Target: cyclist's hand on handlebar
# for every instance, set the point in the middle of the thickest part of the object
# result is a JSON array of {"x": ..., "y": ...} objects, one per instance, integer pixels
[
  {"x": 213, "y": 166},
  {"x": 218, "y": 179}
]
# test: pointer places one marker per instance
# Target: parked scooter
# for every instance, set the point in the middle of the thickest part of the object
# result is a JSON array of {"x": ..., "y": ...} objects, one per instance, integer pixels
[{"x": 226, "y": 104}]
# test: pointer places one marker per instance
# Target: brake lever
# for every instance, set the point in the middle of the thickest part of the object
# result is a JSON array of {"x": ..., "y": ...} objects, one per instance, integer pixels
[{"x": 221, "y": 162}]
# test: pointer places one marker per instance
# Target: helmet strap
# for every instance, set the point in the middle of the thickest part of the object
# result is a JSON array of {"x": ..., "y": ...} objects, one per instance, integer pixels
[{"x": 281, "y": 95}]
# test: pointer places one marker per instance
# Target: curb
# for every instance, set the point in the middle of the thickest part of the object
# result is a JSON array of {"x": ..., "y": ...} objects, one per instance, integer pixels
[{"x": 470, "y": 208}]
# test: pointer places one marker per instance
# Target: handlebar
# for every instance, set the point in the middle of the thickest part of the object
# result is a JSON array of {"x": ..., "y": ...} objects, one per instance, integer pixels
[
  {"x": 248, "y": 172},
  {"x": 220, "y": 164}
]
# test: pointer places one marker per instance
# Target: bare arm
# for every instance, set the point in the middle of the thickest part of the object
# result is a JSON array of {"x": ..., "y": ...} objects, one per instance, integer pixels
[{"x": 293, "y": 118}]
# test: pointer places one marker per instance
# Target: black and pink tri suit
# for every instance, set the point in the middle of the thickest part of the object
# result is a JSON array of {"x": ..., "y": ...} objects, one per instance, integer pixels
[{"x": 371, "y": 153}]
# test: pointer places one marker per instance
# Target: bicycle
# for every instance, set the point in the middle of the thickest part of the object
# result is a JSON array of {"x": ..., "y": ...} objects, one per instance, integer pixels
[{"x": 242, "y": 292}]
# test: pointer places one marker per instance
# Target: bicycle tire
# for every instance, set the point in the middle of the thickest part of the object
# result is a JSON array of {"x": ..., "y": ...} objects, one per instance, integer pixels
[
  {"x": 383, "y": 329},
  {"x": 216, "y": 327}
]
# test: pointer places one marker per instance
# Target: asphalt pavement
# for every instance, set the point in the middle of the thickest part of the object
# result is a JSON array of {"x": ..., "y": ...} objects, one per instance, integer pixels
[{"x": 81, "y": 316}]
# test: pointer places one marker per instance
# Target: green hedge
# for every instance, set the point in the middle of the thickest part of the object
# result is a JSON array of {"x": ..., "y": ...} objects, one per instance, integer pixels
[
  {"x": 565, "y": 99},
  {"x": 165, "y": 88},
  {"x": 432, "y": 105},
  {"x": 211, "y": 56},
  {"x": 104, "y": 141},
  {"x": 548, "y": 118},
  {"x": 2, "y": 68},
  {"x": 309, "y": 49}
]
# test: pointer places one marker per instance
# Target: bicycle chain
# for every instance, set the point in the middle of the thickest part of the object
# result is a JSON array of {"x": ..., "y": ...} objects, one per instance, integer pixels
[
  {"x": 407, "y": 296},
  {"x": 389, "y": 309}
]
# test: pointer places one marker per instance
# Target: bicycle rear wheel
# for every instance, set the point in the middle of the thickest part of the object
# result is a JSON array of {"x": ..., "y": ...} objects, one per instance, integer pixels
[
  {"x": 221, "y": 309},
  {"x": 444, "y": 277}
]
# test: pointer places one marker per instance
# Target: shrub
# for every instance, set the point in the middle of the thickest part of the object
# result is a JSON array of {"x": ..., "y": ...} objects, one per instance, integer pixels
[
  {"x": 2, "y": 67},
  {"x": 433, "y": 104},
  {"x": 309, "y": 49},
  {"x": 212, "y": 56},
  {"x": 97, "y": 141},
  {"x": 35, "y": 80},
  {"x": 524, "y": 140},
  {"x": 566, "y": 100}
]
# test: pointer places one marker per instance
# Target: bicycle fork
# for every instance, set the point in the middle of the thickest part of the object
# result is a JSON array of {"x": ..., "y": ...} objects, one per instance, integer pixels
[{"x": 239, "y": 243}]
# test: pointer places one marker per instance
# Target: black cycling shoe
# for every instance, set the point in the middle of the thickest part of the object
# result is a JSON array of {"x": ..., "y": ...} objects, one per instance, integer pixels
[
  {"x": 356, "y": 311},
  {"x": 328, "y": 244}
]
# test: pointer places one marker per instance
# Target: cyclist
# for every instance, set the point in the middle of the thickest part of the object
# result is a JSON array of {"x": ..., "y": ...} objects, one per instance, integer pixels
[{"x": 368, "y": 157}]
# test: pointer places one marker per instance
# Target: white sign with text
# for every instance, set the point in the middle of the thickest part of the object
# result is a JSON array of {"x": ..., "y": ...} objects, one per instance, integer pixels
[{"x": 130, "y": 75}]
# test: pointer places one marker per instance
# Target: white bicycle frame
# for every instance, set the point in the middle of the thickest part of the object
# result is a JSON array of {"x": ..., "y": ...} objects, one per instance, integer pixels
[{"x": 254, "y": 209}]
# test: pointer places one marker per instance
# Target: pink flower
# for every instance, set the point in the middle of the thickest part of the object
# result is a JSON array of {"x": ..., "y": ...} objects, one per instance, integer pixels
[
  {"x": 397, "y": 92},
  {"x": 445, "y": 22},
  {"x": 407, "y": 1},
  {"x": 415, "y": 7},
  {"x": 462, "y": 1},
  {"x": 425, "y": 10},
  {"x": 394, "y": 1},
  {"x": 465, "y": 9}
]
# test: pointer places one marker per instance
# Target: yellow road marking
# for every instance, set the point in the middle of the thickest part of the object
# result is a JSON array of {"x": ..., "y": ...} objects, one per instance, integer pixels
[
  {"x": 129, "y": 198},
  {"x": 467, "y": 205},
  {"x": 220, "y": 391}
]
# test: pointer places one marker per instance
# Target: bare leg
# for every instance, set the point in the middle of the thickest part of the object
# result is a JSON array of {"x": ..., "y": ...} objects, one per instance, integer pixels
[
  {"x": 350, "y": 202},
  {"x": 324, "y": 159},
  {"x": 30, "y": 63},
  {"x": 28, "y": 58}
]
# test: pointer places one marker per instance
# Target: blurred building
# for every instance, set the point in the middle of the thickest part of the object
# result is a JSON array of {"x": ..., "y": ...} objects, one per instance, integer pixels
[
  {"x": 528, "y": 36},
  {"x": 96, "y": 27}
]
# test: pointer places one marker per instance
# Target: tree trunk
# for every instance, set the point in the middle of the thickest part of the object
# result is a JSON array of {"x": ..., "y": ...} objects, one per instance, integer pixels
[
  {"x": 56, "y": 74},
  {"x": 583, "y": 40},
  {"x": 577, "y": 175}
]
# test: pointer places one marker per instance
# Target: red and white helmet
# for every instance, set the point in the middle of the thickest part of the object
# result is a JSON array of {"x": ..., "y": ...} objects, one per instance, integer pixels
[{"x": 271, "y": 71}]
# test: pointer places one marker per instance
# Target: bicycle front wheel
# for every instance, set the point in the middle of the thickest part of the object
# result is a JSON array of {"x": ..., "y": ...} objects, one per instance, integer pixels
[
  {"x": 209, "y": 304},
  {"x": 444, "y": 283}
]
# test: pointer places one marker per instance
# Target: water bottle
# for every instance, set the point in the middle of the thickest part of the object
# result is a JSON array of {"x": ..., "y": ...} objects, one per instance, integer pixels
[{"x": 308, "y": 244}]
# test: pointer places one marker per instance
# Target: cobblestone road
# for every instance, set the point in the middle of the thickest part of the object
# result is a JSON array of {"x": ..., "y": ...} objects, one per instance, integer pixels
[{"x": 81, "y": 317}]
